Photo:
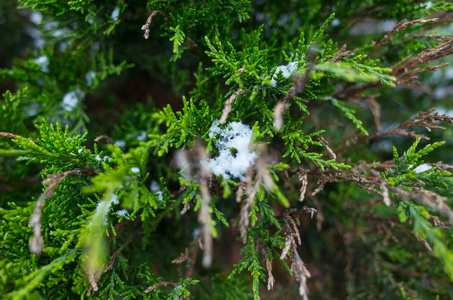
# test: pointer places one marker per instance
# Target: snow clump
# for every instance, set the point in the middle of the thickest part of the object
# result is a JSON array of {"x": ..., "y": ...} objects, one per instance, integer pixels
[
  {"x": 233, "y": 145},
  {"x": 287, "y": 71}
]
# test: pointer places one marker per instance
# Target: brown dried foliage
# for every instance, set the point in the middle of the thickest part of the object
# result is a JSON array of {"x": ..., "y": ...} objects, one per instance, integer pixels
[
  {"x": 427, "y": 120},
  {"x": 292, "y": 239}
]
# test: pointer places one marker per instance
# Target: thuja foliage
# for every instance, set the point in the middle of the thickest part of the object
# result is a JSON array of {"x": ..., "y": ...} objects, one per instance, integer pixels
[{"x": 226, "y": 149}]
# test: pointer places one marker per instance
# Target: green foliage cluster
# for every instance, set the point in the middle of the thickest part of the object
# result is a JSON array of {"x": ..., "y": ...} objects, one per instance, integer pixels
[{"x": 106, "y": 135}]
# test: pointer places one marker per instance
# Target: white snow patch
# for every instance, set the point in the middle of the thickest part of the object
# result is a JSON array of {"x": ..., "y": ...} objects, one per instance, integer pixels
[
  {"x": 123, "y": 213},
  {"x": 236, "y": 136},
  {"x": 428, "y": 4},
  {"x": 43, "y": 62},
  {"x": 89, "y": 76},
  {"x": 32, "y": 109},
  {"x": 142, "y": 136},
  {"x": 115, "y": 14},
  {"x": 159, "y": 195},
  {"x": 71, "y": 99},
  {"x": 422, "y": 168},
  {"x": 114, "y": 199},
  {"x": 120, "y": 143},
  {"x": 335, "y": 22},
  {"x": 154, "y": 186},
  {"x": 36, "y": 17},
  {"x": 287, "y": 71}
]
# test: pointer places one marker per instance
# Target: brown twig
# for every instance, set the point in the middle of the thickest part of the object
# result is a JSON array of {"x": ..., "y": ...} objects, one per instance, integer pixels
[
  {"x": 400, "y": 26},
  {"x": 104, "y": 137},
  {"x": 37, "y": 242},
  {"x": 159, "y": 284},
  {"x": 7, "y": 135},
  {"x": 227, "y": 108},
  {"x": 145, "y": 27}
]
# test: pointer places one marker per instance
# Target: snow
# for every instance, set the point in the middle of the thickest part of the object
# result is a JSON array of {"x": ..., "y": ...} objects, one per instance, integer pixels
[
  {"x": 89, "y": 76},
  {"x": 142, "y": 136},
  {"x": 36, "y": 17},
  {"x": 123, "y": 213},
  {"x": 335, "y": 22},
  {"x": 155, "y": 187},
  {"x": 115, "y": 14},
  {"x": 159, "y": 195},
  {"x": 32, "y": 109},
  {"x": 422, "y": 168},
  {"x": 287, "y": 71},
  {"x": 236, "y": 136},
  {"x": 120, "y": 143},
  {"x": 428, "y": 4},
  {"x": 43, "y": 62},
  {"x": 71, "y": 99}
]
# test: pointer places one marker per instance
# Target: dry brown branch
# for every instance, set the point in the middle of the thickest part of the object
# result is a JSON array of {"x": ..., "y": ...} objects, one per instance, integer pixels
[
  {"x": 227, "y": 108},
  {"x": 442, "y": 167},
  {"x": 400, "y": 26},
  {"x": 410, "y": 78},
  {"x": 402, "y": 70},
  {"x": 240, "y": 192},
  {"x": 182, "y": 258},
  {"x": 298, "y": 268},
  {"x": 104, "y": 137},
  {"x": 244, "y": 219},
  {"x": 7, "y": 135},
  {"x": 145, "y": 27},
  {"x": 204, "y": 215},
  {"x": 320, "y": 139},
  {"x": 385, "y": 194},
  {"x": 424, "y": 57},
  {"x": 185, "y": 208},
  {"x": 93, "y": 277},
  {"x": 342, "y": 53},
  {"x": 425, "y": 197},
  {"x": 159, "y": 284},
  {"x": 37, "y": 242},
  {"x": 279, "y": 110},
  {"x": 436, "y": 37},
  {"x": 304, "y": 183},
  {"x": 295, "y": 212},
  {"x": 270, "y": 277},
  {"x": 375, "y": 109},
  {"x": 425, "y": 119}
]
